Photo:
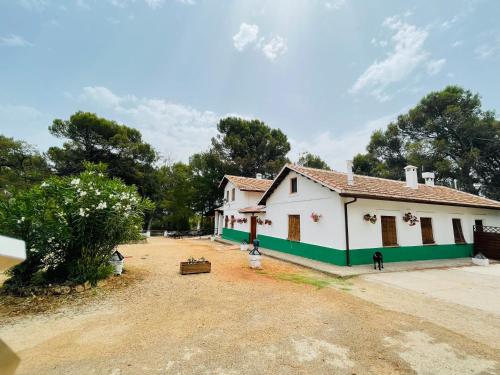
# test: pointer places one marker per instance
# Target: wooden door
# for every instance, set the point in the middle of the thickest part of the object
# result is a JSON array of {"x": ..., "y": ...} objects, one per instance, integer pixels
[
  {"x": 253, "y": 228},
  {"x": 389, "y": 234}
]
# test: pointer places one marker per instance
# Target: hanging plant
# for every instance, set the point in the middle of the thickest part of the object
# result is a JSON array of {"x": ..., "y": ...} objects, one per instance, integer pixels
[
  {"x": 241, "y": 220},
  {"x": 260, "y": 221},
  {"x": 268, "y": 222},
  {"x": 410, "y": 219},
  {"x": 315, "y": 217},
  {"x": 371, "y": 218}
]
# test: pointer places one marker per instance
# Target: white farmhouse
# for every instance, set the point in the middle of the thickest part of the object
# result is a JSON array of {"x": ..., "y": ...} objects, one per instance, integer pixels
[
  {"x": 343, "y": 219},
  {"x": 237, "y": 219}
]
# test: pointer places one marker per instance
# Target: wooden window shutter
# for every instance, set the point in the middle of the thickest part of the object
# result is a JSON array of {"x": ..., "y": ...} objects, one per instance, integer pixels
[
  {"x": 294, "y": 227},
  {"x": 457, "y": 231},
  {"x": 426, "y": 226},
  {"x": 389, "y": 235},
  {"x": 293, "y": 185},
  {"x": 232, "y": 221},
  {"x": 233, "y": 194}
]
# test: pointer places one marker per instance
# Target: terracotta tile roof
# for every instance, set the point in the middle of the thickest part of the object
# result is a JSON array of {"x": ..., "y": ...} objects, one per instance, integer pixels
[
  {"x": 247, "y": 183},
  {"x": 380, "y": 188},
  {"x": 252, "y": 209}
]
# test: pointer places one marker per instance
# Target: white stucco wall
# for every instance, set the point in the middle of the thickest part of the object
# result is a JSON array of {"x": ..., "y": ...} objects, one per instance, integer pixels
[
  {"x": 330, "y": 232},
  {"x": 363, "y": 234},
  {"x": 310, "y": 197},
  {"x": 243, "y": 199}
]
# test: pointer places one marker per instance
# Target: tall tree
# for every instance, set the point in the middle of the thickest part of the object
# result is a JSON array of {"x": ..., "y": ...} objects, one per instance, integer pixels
[
  {"x": 21, "y": 166},
  {"x": 208, "y": 170},
  {"x": 174, "y": 207},
  {"x": 98, "y": 140},
  {"x": 447, "y": 132},
  {"x": 249, "y": 147},
  {"x": 312, "y": 161}
]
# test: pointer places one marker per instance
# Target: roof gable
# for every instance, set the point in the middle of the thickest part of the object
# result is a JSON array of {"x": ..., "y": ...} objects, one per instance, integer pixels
[
  {"x": 246, "y": 183},
  {"x": 384, "y": 189}
]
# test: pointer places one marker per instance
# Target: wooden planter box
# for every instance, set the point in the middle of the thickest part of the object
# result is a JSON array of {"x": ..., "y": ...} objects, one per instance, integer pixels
[{"x": 200, "y": 267}]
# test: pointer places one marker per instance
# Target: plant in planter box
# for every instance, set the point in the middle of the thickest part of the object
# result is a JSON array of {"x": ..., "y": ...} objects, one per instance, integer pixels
[
  {"x": 193, "y": 266},
  {"x": 315, "y": 217}
]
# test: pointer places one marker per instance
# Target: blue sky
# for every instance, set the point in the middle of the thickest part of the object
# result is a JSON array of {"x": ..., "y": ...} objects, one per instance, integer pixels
[{"x": 327, "y": 72}]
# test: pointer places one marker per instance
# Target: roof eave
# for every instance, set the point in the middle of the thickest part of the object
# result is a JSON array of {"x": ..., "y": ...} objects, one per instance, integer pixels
[
  {"x": 290, "y": 167},
  {"x": 415, "y": 200}
]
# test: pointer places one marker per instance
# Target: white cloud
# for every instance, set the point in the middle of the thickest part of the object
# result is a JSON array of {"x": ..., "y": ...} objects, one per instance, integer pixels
[
  {"x": 176, "y": 130},
  {"x": 334, "y": 4},
  {"x": 26, "y": 123},
  {"x": 154, "y": 4},
  {"x": 449, "y": 23},
  {"x": 488, "y": 49},
  {"x": 379, "y": 42},
  {"x": 457, "y": 43},
  {"x": 14, "y": 41},
  {"x": 435, "y": 66},
  {"x": 407, "y": 56},
  {"x": 274, "y": 47},
  {"x": 33, "y": 4},
  {"x": 336, "y": 149},
  {"x": 245, "y": 36}
]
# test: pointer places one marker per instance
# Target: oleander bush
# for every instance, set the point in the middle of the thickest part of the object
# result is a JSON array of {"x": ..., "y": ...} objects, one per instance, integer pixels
[{"x": 71, "y": 226}]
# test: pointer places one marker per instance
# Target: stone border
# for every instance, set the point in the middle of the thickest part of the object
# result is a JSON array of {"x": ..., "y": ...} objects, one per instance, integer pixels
[{"x": 50, "y": 290}]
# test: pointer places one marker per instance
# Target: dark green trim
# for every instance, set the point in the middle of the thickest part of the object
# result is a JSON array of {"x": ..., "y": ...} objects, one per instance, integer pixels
[
  {"x": 321, "y": 253},
  {"x": 235, "y": 235},
  {"x": 364, "y": 256},
  {"x": 409, "y": 253}
]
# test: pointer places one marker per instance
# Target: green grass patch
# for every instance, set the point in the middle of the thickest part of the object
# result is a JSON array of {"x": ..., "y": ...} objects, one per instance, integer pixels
[{"x": 317, "y": 282}]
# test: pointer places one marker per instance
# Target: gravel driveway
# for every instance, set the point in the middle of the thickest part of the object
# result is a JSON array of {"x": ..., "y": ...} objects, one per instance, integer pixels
[{"x": 280, "y": 320}]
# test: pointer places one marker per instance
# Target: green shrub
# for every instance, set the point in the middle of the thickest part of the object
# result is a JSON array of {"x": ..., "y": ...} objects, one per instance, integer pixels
[{"x": 71, "y": 225}]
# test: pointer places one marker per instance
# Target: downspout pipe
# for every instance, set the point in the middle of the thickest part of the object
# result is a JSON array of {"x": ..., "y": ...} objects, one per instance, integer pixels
[{"x": 347, "y": 253}]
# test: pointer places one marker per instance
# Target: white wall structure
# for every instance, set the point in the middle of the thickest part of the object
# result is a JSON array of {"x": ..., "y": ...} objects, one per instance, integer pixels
[
  {"x": 12, "y": 252},
  {"x": 310, "y": 197},
  {"x": 247, "y": 192},
  {"x": 325, "y": 240}
]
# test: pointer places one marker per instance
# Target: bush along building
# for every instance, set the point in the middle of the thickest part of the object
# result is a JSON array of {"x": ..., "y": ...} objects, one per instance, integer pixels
[{"x": 341, "y": 218}]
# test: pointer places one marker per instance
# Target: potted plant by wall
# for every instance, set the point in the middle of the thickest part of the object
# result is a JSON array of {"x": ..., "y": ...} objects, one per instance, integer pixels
[
  {"x": 315, "y": 217},
  {"x": 371, "y": 218},
  {"x": 193, "y": 266},
  {"x": 410, "y": 219}
]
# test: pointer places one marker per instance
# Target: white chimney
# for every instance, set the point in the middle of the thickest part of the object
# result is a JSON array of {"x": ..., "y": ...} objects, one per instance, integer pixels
[
  {"x": 455, "y": 184},
  {"x": 258, "y": 176},
  {"x": 429, "y": 178},
  {"x": 411, "y": 177},
  {"x": 350, "y": 175}
]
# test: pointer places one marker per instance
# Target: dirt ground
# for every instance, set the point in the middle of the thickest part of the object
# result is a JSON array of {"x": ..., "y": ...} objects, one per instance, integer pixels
[{"x": 283, "y": 319}]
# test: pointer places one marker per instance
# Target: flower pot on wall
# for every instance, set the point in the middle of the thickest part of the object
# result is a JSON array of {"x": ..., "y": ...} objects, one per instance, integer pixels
[{"x": 315, "y": 217}]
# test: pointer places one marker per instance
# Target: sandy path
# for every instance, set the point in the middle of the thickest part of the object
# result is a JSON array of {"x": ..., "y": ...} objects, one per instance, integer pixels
[{"x": 234, "y": 321}]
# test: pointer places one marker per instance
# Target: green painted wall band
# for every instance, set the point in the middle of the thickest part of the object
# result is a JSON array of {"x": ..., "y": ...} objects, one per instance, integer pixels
[
  {"x": 235, "y": 235},
  {"x": 364, "y": 256}
]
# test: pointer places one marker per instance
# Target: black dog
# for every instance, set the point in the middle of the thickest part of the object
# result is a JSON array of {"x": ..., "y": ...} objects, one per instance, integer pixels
[{"x": 378, "y": 258}]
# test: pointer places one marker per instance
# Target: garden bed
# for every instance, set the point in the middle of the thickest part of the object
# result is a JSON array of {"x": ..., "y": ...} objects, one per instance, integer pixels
[{"x": 12, "y": 306}]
